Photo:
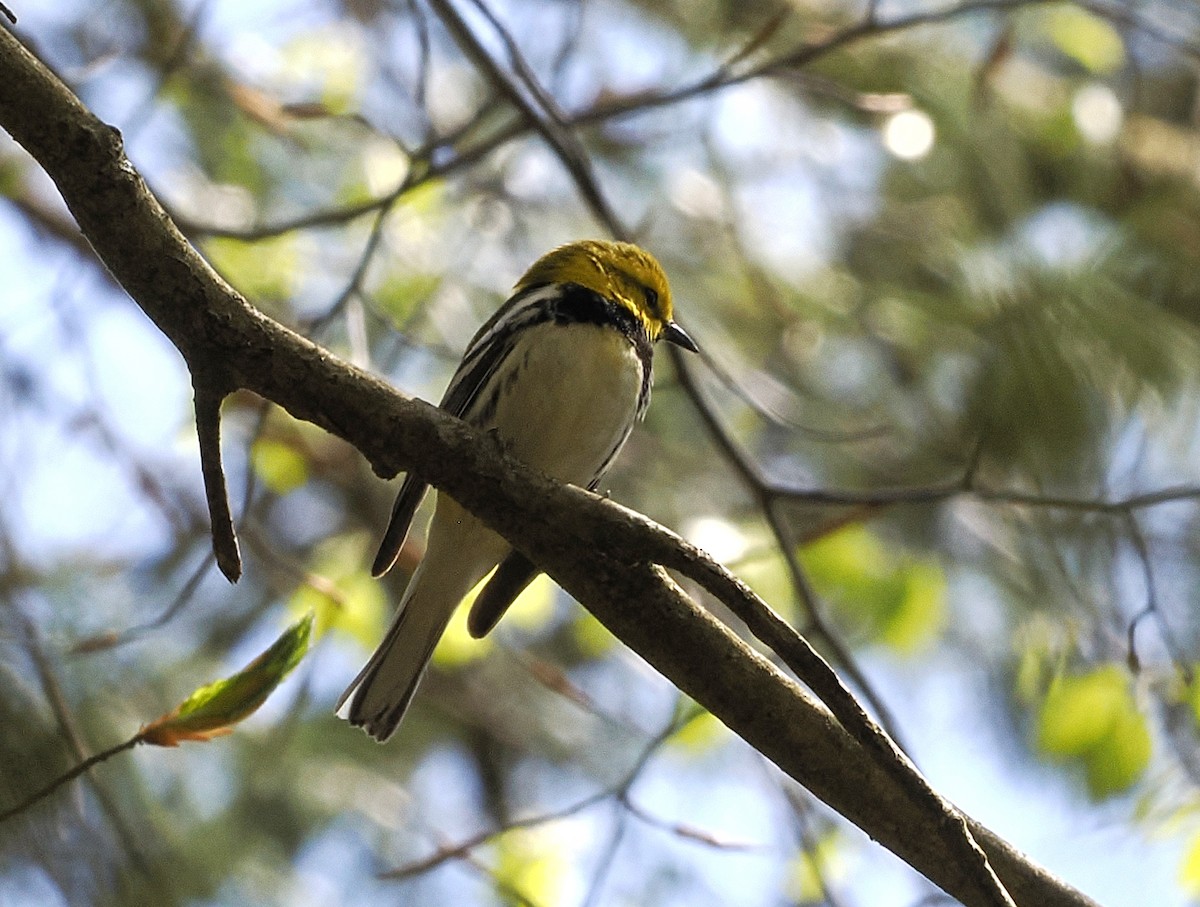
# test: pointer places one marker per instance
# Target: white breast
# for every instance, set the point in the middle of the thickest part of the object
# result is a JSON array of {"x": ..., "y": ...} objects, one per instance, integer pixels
[{"x": 568, "y": 398}]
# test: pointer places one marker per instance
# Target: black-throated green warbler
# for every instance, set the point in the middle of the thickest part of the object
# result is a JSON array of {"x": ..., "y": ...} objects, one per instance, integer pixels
[{"x": 560, "y": 373}]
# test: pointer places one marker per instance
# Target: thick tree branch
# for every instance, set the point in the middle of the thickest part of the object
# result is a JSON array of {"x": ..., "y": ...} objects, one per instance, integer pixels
[{"x": 604, "y": 555}]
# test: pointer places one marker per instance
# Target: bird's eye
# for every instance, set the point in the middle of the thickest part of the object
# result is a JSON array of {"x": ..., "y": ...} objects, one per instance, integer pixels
[{"x": 652, "y": 300}]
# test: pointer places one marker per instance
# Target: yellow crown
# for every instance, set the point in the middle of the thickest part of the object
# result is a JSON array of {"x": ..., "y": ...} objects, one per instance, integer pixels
[{"x": 618, "y": 271}]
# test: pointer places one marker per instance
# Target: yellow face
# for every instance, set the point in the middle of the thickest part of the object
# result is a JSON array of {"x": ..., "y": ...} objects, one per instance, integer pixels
[{"x": 618, "y": 271}]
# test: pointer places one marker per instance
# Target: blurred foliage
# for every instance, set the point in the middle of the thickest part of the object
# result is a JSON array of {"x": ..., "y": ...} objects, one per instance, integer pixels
[
  {"x": 1094, "y": 719},
  {"x": 947, "y": 278},
  {"x": 880, "y": 597}
]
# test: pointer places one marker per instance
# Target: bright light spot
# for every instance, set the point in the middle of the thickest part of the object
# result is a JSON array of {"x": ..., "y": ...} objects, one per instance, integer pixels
[
  {"x": 909, "y": 134},
  {"x": 256, "y": 60},
  {"x": 385, "y": 166},
  {"x": 1098, "y": 114},
  {"x": 696, "y": 194},
  {"x": 222, "y": 205},
  {"x": 453, "y": 96},
  {"x": 723, "y": 540}
]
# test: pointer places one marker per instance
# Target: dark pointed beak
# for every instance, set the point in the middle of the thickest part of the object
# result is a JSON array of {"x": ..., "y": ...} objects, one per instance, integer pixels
[{"x": 673, "y": 333}]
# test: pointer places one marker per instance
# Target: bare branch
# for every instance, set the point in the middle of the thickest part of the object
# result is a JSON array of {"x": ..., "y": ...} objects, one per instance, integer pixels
[
  {"x": 540, "y": 110},
  {"x": 68, "y": 776}
]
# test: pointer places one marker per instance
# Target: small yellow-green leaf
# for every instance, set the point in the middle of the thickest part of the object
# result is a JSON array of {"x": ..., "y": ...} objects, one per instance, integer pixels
[
  {"x": 1189, "y": 869},
  {"x": 533, "y": 861},
  {"x": 1040, "y": 643},
  {"x": 400, "y": 295},
  {"x": 850, "y": 552},
  {"x": 426, "y": 199},
  {"x": 340, "y": 591},
  {"x": 11, "y": 176},
  {"x": 591, "y": 636},
  {"x": 767, "y": 575},
  {"x": 331, "y": 62},
  {"x": 1121, "y": 757},
  {"x": 699, "y": 733},
  {"x": 354, "y": 604},
  {"x": 266, "y": 270},
  {"x": 1030, "y": 675},
  {"x": 880, "y": 593},
  {"x": 1194, "y": 692},
  {"x": 279, "y": 465},
  {"x": 921, "y": 613},
  {"x": 457, "y": 646},
  {"x": 1079, "y": 712},
  {"x": 1086, "y": 38},
  {"x": 212, "y": 710},
  {"x": 535, "y": 606},
  {"x": 814, "y": 868}
]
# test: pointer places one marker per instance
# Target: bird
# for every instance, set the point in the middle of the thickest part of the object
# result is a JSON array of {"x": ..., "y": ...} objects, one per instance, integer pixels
[{"x": 560, "y": 374}]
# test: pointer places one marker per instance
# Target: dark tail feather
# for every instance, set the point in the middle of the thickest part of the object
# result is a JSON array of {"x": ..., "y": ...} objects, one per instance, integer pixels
[
  {"x": 511, "y": 578},
  {"x": 382, "y": 691},
  {"x": 412, "y": 492}
]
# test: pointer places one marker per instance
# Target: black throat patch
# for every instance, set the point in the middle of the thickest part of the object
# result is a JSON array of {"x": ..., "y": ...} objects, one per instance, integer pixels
[{"x": 579, "y": 305}]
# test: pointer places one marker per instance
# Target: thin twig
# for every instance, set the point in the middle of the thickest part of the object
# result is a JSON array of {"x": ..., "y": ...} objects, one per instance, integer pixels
[
  {"x": 463, "y": 849},
  {"x": 101, "y": 642},
  {"x": 765, "y": 496},
  {"x": 688, "y": 832},
  {"x": 607, "y": 857},
  {"x": 772, "y": 414},
  {"x": 53, "y": 691},
  {"x": 819, "y": 627},
  {"x": 355, "y": 284},
  {"x": 539, "y": 110},
  {"x": 71, "y": 775},
  {"x": 802, "y": 814}
]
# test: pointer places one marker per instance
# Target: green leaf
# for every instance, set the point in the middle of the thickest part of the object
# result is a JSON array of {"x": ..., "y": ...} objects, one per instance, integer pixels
[
  {"x": 340, "y": 591},
  {"x": 815, "y": 867},
  {"x": 1089, "y": 40},
  {"x": 330, "y": 62},
  {"x": 699, "y": 734},
  {"x": 458, "y": 647},
  {"x": 400, "y": 295},
  {"x": 591, "y": 636},
  {"x": 1194, "y": 693},
  {"x": 1189, "y": 869},
  {"x": 767, "y": 574},
  {"x": 212, "y": 710},
  {"x": 534, "y": 607},
  {"x": 1093, "y": 719},
  {"x": 891, "y": 597},
  {"x": 12, "y": 176},
  {"x": 1121, "y": 757},
  {"x": 855, "y": 571},
  {"x": 281, "y": 466},
  {"x": 921, "y": 612},
  {"x": 1079, "y": 712},
  {"x": 266, "y": 270},
  {"x": 533, "y": 863}
]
